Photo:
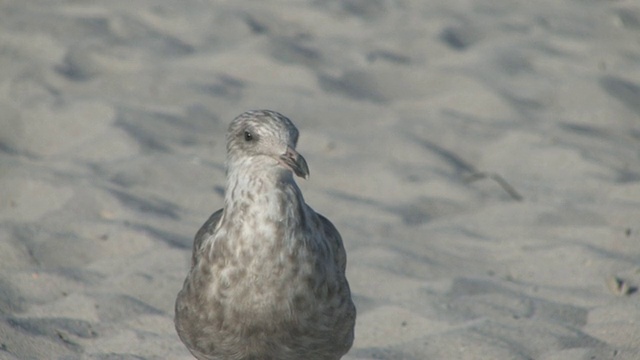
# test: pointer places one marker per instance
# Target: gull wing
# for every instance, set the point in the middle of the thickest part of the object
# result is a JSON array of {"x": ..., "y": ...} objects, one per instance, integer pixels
[
  {"x": 205, "y": 232},
  {"x": 335, "y": 242}
]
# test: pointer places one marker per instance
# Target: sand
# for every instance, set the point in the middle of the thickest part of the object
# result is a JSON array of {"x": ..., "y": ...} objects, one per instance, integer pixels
[{"x": 481, "y": 160}]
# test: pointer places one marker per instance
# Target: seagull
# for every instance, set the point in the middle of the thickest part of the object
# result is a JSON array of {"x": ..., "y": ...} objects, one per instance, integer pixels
[{"x": 267, "y": 278}]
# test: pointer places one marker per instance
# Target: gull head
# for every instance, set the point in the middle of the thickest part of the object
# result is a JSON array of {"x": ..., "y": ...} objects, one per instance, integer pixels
[{"x": 264, "y": 138}]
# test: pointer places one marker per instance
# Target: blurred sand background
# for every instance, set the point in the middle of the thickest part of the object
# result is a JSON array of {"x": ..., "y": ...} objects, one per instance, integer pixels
[{"x": 481, "y": 159}]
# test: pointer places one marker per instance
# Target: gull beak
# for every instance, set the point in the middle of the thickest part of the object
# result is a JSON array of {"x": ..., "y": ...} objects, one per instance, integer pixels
[{"x": 294, "y": 161}]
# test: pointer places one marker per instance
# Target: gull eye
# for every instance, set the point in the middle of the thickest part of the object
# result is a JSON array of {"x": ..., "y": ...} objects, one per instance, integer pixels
[{"x": 248, "y": 136}]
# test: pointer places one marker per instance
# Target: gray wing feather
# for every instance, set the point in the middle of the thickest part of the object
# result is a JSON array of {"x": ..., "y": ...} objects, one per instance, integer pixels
[
  {"x": 205, "y": 232},
  {"x": 335, "y": 241}
]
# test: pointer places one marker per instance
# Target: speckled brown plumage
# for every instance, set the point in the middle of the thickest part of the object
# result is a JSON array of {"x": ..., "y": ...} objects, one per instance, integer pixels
[{"x": 267, "y": 279}]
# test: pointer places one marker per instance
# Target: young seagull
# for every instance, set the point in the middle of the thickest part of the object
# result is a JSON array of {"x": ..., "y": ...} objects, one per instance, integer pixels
[{"x": 267, "y": 278}]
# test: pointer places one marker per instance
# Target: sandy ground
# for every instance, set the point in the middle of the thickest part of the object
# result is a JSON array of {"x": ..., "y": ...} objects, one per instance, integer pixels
[{"x": 480, "y": 158}]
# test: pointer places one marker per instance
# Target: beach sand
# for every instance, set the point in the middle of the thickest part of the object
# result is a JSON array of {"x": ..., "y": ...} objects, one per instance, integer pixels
[{"x": 481, "y": 160}]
